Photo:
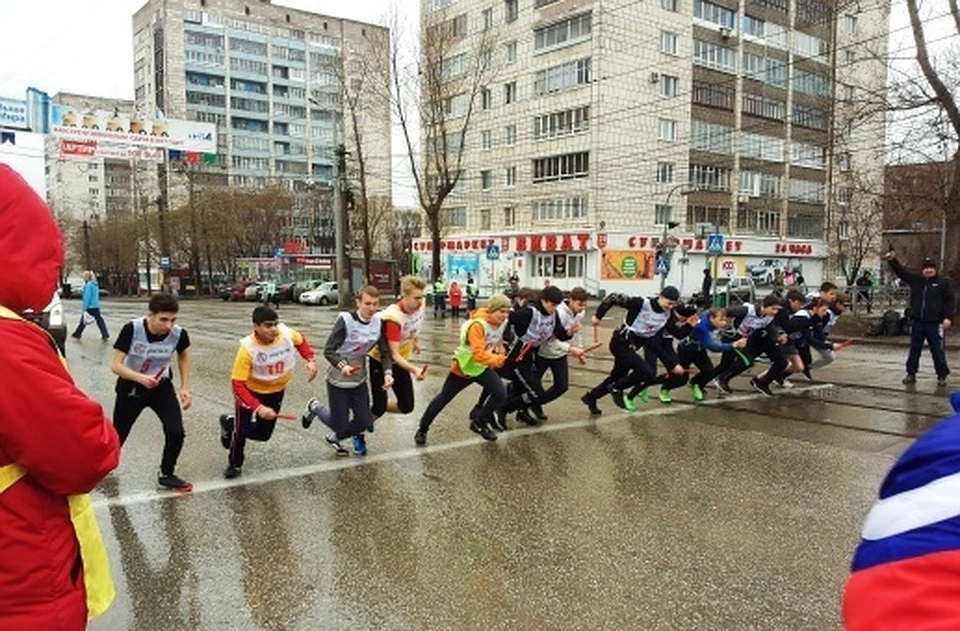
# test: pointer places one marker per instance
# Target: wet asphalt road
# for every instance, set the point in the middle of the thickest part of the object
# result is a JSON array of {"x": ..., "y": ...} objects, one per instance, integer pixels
[{"x": 735, "y": 513}]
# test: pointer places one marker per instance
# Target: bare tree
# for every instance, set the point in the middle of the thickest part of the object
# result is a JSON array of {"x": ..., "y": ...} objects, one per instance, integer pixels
[{"x": 436, "y": 105}]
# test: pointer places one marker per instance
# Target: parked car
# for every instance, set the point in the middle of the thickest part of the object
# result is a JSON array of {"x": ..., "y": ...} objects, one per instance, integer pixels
[
  {"x": 325, "y": 294},
  {"x": 254, "y": 291},
  {"x": 763, "y": 272},
  {"x": 235, "y": 292},
  {"x": 53, "y": 321},
  {"x": 735, "y": 290}
]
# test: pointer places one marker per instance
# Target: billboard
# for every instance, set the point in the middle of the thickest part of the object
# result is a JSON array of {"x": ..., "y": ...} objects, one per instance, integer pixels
[
  {"x": 627, "y": 264},
  {"x": 100, "y": 126},
  {"x": 13, "y": 112}
]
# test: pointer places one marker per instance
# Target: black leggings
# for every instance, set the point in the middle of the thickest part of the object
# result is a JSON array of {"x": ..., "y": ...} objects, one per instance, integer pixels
[
  {"x": 247, "y": 427},
  {"x": 402, "y": 388},
  {"x": 629, "y": 369},
  {"x": 132, "y": 399},
  {"x": 559, "y": 368},
  {"x": 492, "y": 386}
]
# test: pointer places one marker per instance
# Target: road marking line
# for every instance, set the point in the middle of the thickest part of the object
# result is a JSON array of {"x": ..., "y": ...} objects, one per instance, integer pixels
[{"x": 143, "y": 497}]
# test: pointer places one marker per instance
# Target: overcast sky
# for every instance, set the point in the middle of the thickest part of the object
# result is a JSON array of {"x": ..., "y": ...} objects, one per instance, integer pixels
[{"x": 85, "y": 47}]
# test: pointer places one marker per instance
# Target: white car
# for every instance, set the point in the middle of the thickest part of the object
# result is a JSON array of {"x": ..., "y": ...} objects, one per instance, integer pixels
[{"x": 325, "y": 294}]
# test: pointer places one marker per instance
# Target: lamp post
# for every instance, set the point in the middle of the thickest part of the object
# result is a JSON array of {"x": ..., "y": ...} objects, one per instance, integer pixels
[{"x": 669, "y": 224}]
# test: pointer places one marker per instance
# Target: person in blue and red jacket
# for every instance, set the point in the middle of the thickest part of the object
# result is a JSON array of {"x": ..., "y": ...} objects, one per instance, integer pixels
[
  {"x": 906, "y": 570},
  {"x": 55, "y": 442}
]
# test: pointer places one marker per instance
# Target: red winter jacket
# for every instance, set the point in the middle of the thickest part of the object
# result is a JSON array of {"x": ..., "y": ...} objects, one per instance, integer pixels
[{"x": 48, "y": 426}]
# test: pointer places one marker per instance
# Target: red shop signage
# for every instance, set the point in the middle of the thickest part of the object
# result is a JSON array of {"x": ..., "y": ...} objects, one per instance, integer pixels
[{"x": 793, "y": 248}]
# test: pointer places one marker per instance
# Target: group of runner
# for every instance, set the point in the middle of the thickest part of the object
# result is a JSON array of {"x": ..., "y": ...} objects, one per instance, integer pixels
[{"x": 506, "y": 347}]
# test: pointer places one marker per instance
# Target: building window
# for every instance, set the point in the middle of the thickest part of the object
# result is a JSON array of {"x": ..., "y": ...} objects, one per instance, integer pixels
[
  {"x": 843, "y": 230},
  {"x": 668, "y": 42},
  {"x": 848, "y": 93},
  {"x": 563, "y": 123},
  {"x": 510, "y": 135},
  {"x": 455, "y": 217},
  {"x": 562, "y": 167},
  {"x": 486, "y": 139},
  {"x": 844, "y": 161},
  {"x": 487, "y": 19},
  {"x": 511, "y": 52},
  {"x": 559, "y": 209},
  {"x": 94, "y": 191},
  {"x": 714, "y": 56},
  {"x": 843, "y": 196},
  {"x": 849, "y": 57},
  {"x": 511, "y": 176},
  {"x": 509, "y": 217},
  {"x": 510, "y": 10},
  {"x": 563, "y": 76},
  {"x": 668, "y": 129},
  {"x": 559, "y": 34},
  {"x": 713, "y": 95},
  {"x": 662, "y": 214},
  {"x": 543, "y": 265},
  {"x": 669, "y": 85},
  {"x": 665, "y": 172},
  {"x": 709, "y": 178},
  {"x": 711, "y": 137},
  {"x": 486, "y": 99},
  {"x": 510, "y": 92},
  {"x": 576, "y": 265},
  {"x": 669, "y": 5},
  {"x": 850, "y": 24},
  {"x": 93, "y": 178},
  {"x": 484, "y": 218},
  {"x": 486, "y": 180}
]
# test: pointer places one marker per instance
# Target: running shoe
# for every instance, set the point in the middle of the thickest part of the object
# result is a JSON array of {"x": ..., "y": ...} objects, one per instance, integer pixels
[
  {"x": 420, "y": 438},
  {"x": 538, "y": 413},
  {"x": 942, "y": 383},
  {"x": 644, "y": 395},
  {"x": 698, "y": 394},
  {"x": 909, "y": 379},
  {"x": 591, "y": 402},
  {"x": 484, "y": 430},
  {"x": 665, "y": 396},
  {"x": 498, "y": 422},
  {"x": 231, "y": 472},
  {"x": 723, "y": 386},
  {"x": 339, "y": 449},
  {"x": 173, "y": 483},
  {"x": 226, "y": 430},
  {"x": 314, "y": 410},
  {"x": 618, "y": 399},
  {"x": 629, "y": 405},
  {"x": 360, "y": 445},
  {"x": 761, "y": 387},
  {"x": 524, "y": 417}
]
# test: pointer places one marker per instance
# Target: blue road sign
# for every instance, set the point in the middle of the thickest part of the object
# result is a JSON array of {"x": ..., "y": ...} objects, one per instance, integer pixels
[
  {"x": 715, "y": 243},
  {"x": 165, "y": 262},
  {"x": 493, "y": 252},
  {"x": 663, "y": 266}
]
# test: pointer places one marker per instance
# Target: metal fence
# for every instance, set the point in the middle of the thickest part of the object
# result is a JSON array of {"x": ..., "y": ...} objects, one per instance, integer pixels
[{"x": 868, "y": 300}]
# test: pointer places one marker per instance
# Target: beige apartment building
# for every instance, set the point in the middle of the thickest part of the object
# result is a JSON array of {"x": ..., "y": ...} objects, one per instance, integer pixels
[
  {"x": 611, "y": 131},
  {"x": 272, "y": 79}
]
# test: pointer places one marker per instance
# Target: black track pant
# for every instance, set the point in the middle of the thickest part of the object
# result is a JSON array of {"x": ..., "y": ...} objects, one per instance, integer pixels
[
  {"x": 629, "y": 370},
  {"x": 402, "y": 388},
  {"x": 248, "y": 427},
  {"x": 454, "y": 384},
  {"x": 133, "y": 398}
]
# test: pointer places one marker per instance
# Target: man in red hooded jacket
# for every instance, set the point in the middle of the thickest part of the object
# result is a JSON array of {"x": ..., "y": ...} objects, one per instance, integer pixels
[{"x": 56, "y": 438}]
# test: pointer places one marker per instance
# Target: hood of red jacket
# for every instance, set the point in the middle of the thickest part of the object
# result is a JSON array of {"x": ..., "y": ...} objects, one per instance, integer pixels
[{"x": 31, "y": 246}]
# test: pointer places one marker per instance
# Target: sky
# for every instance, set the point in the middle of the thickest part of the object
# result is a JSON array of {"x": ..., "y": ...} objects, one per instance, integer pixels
[{"x": 44, "y": 45}]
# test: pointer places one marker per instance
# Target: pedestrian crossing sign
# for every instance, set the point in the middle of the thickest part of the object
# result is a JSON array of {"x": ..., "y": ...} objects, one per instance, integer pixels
[
  {"x": 663, "y": 266},
  {"x": 715, "y": 243}
]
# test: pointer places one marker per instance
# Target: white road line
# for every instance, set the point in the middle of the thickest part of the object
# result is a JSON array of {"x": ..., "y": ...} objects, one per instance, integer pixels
[{"x": 143, "y": 497}]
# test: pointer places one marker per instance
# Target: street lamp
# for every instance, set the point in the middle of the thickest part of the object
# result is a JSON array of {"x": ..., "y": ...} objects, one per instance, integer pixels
[{"x": 668, "y": 224}]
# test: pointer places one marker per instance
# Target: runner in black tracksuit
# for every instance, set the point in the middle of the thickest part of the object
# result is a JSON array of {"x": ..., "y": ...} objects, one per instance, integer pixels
[{"x": 756, "y": 324}]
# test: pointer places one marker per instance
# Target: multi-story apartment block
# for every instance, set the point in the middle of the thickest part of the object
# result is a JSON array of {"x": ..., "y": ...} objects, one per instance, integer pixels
[
  {"x": 271, "y": 78},
  {"x": 612, "y": 131}
]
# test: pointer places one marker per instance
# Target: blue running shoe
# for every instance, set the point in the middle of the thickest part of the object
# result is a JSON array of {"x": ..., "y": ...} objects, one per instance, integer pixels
[{"x": 360, "y": 445}]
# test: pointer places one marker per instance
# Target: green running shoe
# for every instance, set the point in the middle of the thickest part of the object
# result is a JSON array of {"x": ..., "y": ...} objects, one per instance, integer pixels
[
  {"x": 697, "y": 392},
  {"x": 665, "y": 396},
  {"x": 644, "y": 395},
  {"x": 629, "y": 405}
]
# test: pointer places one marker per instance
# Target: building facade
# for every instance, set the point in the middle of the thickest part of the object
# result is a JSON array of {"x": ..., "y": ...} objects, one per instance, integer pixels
[
  {"x": 272, "y": 79},
  {"x": 614, "y": 136},
  {"x": 915, "y": 211}
]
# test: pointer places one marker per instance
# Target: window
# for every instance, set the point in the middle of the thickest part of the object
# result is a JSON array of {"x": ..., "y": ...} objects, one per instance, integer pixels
[
  {"x": 486, "y": 99},
  {"x": 511, "y": 176},
  {"x": 843, "y": 230},
  {"x": 662, "y": 214},
  {"x": 764, "y": 107},
  {"x": 668, "y": 129},
  {"x": 753, "y": 26},
  {"x": 509, "y": 217},
  {"x": 563, "y": 123},
  {"x": 487, "y": 19},
  {"x": 576, "y": 265},
  {"x": 511, "y": 52},
  {"x": 668, "y": 5},
  {"x": 843, "y": 196},
  {"x": 486, "y": 139},
  {"x": 665, "y": 172},
  {"x": 484, "y": 218},
  {"x": 806, "y": 191},
  {"x": 94, "y": 191},
  {"x": 93, "y": 178},
  {"x": 455, "y": 217},
  {"x": 711, "y": 137},
  {"x": 718, "y": 216},
  {"x": 849, "y": 57},
  {"x": 806, "y": 155},
  {"x": 713, "y": 95},
  {"x": 811, "y": 83},
  {"x": 709, "y": 178},
  {"x": 848, "y": 93},
  {"x": 843, "y": 160},
  {"x": 562, "y": 209},
  {"x": 716, "y": 14},
  {"x": 510, "y": 92},
  {"x": 562, "y": 167},
  {"x": 486, "y": 180},
  {"x": 668, "y": 42},
  {"x": 563, "y": 76},
  {"x": 669, "y": 85},
  {"x": 570, "y": 31},
  {"x": 714, "y": 56},
  {"x": 804, "y": 116},
  {"x": 850, "y": 24},
  {"x": 543, "y": 265},
  {"x": 510, "y": 10},
  {"x": 510, "y": 135}
]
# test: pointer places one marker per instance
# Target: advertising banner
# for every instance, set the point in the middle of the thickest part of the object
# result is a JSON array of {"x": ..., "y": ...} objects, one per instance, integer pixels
[
  {"x": 130, "y": 129},
  {"x": 13, "y": 112},
  {"x": 627, "y": 265},
  {"x": 85, "y": 149},
  {"x": 459, "y": 265}
]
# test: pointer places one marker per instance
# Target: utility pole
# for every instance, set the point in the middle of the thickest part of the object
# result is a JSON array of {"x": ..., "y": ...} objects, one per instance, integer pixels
[
  {"x": 162, "y": 219},
  {"x": 86, "y": 245},
  {"x": 344, "y": 271}
]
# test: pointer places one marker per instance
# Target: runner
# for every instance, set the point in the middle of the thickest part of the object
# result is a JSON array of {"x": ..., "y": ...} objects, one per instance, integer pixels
[
  {"x": 552, "y": 354},
  {"x": 685, "y": 318},
  {"x": 142, "y": 362},
  {"x": 354, "y": 334},
  {"x": 476, "y": 359},
  {"x": 261, "y": 371},
  {"x": 755, "y": 324}
]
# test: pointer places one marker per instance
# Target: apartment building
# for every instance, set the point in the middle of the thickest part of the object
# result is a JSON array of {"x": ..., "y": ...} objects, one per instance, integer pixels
[
  {"x": 612, "y": 132},
  {"x": 272, "y": 80}
]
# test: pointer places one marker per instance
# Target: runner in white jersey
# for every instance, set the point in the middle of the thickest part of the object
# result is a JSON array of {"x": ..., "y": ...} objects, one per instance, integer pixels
[
  {"x": 553, "y": 353},
  {"x": 261, "y": 371},
  {"x": 142, "y": 358}
]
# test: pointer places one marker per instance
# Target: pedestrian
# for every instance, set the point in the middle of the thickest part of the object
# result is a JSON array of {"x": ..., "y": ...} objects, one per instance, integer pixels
[
  {"x": 552, "y": 354},
  {"x": 472, "y": 293},
  {"x": 864, "y": 286},
  {"x": 402, "y": 322},
  {"x": 56, "y": 443},
  {"x": 514, "y": 282},
  {"x": 456, "y": 299},
  {"x": 439, "y": 298},
  {"x": 706, "y": 286},
  {"x": 261, "y": 371},
  {"x": 932, "y": 305},
  {"x": 142, "y": 360},
  {"x": 270, "y": 294},
  {"x": 906, "y": 570},
  {"x": 645, "y": 318},
  {"x": 90, "y": 308},
  {"x": 354, "y": 334},
  {"x": 479, "y": 354}
]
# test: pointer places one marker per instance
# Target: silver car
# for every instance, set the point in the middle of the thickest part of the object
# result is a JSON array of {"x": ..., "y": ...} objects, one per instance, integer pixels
[{"x": 325, "y": 294}]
